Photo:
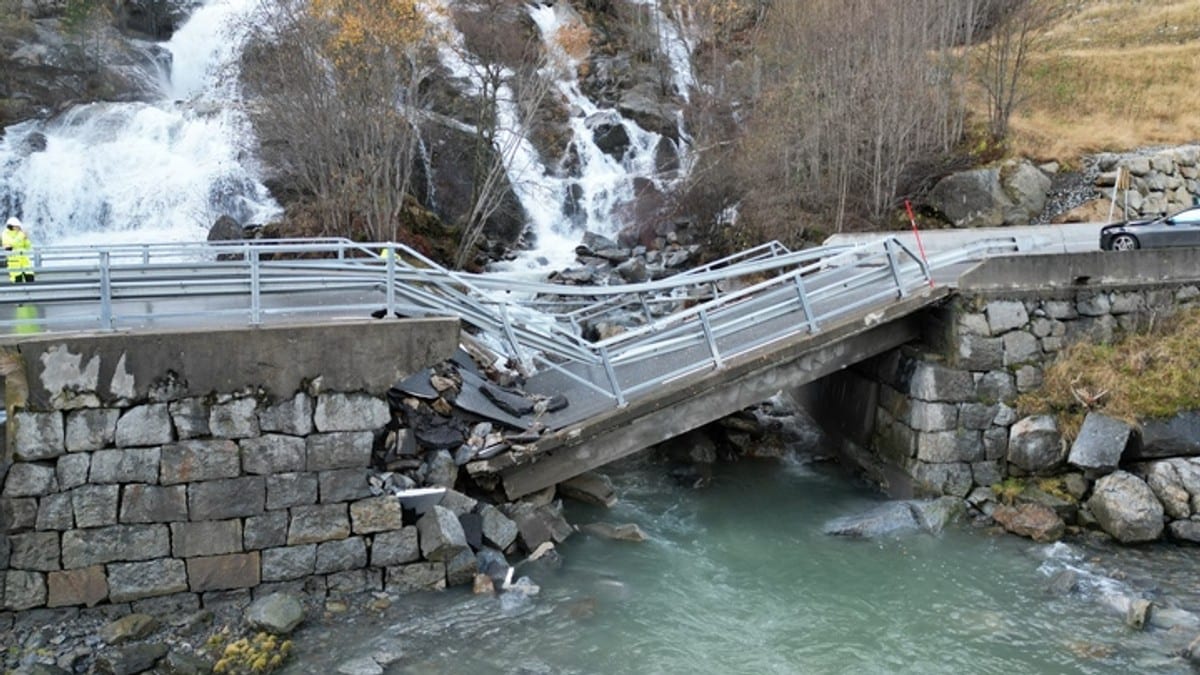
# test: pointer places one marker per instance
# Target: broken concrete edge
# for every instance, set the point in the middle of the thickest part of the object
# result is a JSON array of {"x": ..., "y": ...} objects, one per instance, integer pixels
[
  {"x": 735, "y": 369},
  {"x": 106, "y": 368}
]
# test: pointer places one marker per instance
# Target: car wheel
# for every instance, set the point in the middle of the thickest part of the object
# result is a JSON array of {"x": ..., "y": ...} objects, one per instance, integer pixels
[{"x": 1124, "y": 242}]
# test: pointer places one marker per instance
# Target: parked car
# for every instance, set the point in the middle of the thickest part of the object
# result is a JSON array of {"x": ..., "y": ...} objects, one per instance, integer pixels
[{"x": 1181, "y": 229}]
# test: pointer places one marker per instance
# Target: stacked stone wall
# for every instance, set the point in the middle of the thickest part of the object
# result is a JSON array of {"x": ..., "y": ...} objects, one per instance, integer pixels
[
  {"x": 1162, "y": 182},
  {"x": 204, "y": 495},
  {"x": 946, "y": 415}
]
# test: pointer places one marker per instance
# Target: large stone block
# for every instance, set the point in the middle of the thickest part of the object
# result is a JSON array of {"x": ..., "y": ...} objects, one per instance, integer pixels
[
  {"x": 498, "y": 529},
  {"x": 223, "y": 572},
  {"x": 206, "y": 538},
  {"x": 91, "y": 429},
  {"x": 143, "y": 426},
  {"x": 996, "y": 386},
  {"x": 1061, "y": 310},
  {"x": 1093, "y": 305},
  {"x": 350, "y": 412},
  {"x": 83, "y": 548},
  {"x": 422, "y": 576},
  {"x": 341, "y": 555},
  {"x": 234, "y": 419},
  {"x": 37, "y": 435},
  {"x": 927, "y": 416},
  {"x": 1005, "y": 315},
  {"x": 398, "y": 547},
  {"x": 934, "y": 382},
  {"x": 1021, "y": 347},
  {"x": 979, "y": 353},
  {"x": 292, "y": 416},
  {"x": 462, "y": 568},
  {"x": 317, "y": 523},
  {"x": 343, "y": 485},
  {"x": 72, "y": 470},
  {"x": 272, "y": 453},
  {"x": 86, "y": 586},
  {"x": 953, "y": 478},
  {"x": 1035, "y": 445},
  {"x": 18, "y": 514},
  {"x": 230, "y": 498},
  {"x": 95, "y": 505},
  {"x": 441, "y": 534},
  {"x": 36, "y": 551},
  {"x": 286, "y": 490},
  {"x": 977, "y": 416},
  {"x": 56, "y": 512},
  {"x": 377, "y": 514},
  {"x": 338, "y": 450},
  {"x": 266, "y": 531},
  {"x": 24, "y": 590},
  {"x": 190, "y": 416},
  {"x": 1176, "y": 483},
  {"x": 288, "y": 562},
  {"x": 191, "y": 461},
  {"x": 27, "y": 479},
  {"x": 1125, "y": 507},
  {"x": 1100, "y": 443},
  {"x": 137, "y": 580},
  {"x": 135, "y": 465},
  {"x": 153, "y": 504}
]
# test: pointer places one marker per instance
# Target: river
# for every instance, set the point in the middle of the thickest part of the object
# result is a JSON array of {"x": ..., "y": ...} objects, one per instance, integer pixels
[{"x": 738, "y": 577}]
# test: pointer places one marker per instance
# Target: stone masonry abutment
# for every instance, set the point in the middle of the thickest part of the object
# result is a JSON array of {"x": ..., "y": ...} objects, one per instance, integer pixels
[{"x": 155, "y": 465}]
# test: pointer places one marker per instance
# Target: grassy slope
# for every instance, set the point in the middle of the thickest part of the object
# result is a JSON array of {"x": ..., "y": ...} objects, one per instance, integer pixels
[{"x": 1112, "y": 75}]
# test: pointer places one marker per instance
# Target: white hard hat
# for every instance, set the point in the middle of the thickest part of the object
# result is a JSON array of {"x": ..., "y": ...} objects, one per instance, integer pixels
[{"x": 13, "y": 222}]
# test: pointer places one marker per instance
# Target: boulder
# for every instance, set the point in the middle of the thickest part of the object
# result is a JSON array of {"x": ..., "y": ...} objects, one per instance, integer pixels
[
  {"x": 1126, "y": 508},
  {"x": 888, "y": 519},
  {"x": 1177, "y": 436},
  {"x": 226, "y": 229},
  {"x": 971, "y": 198},
  {"x": 1176, "y": 483},
  {"x": 1185, "y": 530},
  {"x": 441, "y": 534},
  {"x": 132, "y": 659},
  {"x": 1101, "y": 441},
  {"x": 1026, "y": 187},
  {"x": 625, "y": 532},
  {"x": 1036, "y": 521},
  {"x": 277, "y": 613},
  {"x": 1034, "y": 444},
  {"x": 589, "y": 488}
]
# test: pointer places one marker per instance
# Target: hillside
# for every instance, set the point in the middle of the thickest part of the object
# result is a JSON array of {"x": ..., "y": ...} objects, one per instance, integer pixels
[{"x": 1111, "y": 75}]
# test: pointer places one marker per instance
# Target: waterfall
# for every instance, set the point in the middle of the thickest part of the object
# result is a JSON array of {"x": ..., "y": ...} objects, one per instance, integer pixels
[{"x": 162, "y": 171}]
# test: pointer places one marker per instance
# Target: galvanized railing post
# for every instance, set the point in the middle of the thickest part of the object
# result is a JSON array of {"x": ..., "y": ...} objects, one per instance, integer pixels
[
  {"x": 712, "y": 340},
  {"x": 391, "y": 279},
  {"x": 106, "y": 304},
  {"x": 512, "y": 336},
  {"x": 804, "y": 306},
  {"x": 894, "y": 265},
  {"x": 612, "y": 378},
  {"x": 255, "y": 288}
]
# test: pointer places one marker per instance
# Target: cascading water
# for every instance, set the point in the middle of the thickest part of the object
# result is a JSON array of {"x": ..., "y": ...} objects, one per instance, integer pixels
[
  {"x": 588, "y": 187},
  {"x": 111, "y": 172}
]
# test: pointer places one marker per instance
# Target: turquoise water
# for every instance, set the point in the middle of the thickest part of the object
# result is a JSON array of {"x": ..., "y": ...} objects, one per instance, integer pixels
[{"x": 737, "y": 577}]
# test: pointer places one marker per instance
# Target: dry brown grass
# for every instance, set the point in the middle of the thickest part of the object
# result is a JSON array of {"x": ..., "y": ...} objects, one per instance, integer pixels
[
  {"x": 1111, "y": 75},
  {"x": 1147, "y": 375}
]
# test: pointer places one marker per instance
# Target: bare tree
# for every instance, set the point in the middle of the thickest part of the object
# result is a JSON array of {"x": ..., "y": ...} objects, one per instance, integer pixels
[
  {"x": 863, "y": 91},
  {"x": 1001, "y": 58},
  {"x": 338, "y": 87}
]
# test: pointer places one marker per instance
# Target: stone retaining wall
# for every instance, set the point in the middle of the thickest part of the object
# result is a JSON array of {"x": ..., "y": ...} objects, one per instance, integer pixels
[
  {"x": 1164, "y": 181},
  {"x": 199, "y": 495},
  {"x": 945, "y": 412}
]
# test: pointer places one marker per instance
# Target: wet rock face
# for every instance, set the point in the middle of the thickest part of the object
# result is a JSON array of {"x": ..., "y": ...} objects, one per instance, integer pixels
[{"x": 1126, "y": 508}]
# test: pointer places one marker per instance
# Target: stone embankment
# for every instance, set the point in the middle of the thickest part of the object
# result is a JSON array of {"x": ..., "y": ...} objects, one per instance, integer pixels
[{"x": 947, "y": 418}]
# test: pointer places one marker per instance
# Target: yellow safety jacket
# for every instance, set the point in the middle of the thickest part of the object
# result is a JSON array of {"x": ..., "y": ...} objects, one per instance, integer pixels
[{"x": 17, "y": 246}]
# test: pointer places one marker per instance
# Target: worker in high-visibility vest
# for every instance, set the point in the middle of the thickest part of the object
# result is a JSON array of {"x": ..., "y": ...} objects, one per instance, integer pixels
[{"x": 17, "y": 246}]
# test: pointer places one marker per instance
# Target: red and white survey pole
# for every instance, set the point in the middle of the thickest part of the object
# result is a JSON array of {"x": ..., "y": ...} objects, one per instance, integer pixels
[{"x": 917, "y": 234}]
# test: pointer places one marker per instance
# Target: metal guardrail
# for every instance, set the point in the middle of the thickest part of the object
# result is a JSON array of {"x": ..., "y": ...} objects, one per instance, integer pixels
[{"x": 691, "y": 321}]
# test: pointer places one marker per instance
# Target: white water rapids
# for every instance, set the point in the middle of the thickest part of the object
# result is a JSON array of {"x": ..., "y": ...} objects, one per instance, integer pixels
[{"x": 165, "y": 170}]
